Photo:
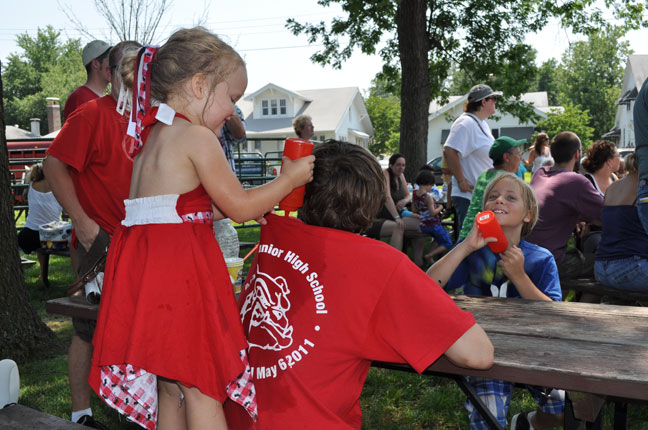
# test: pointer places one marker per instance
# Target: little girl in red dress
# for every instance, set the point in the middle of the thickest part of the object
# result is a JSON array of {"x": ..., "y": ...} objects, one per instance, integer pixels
[{"x": 169, "y": 348}]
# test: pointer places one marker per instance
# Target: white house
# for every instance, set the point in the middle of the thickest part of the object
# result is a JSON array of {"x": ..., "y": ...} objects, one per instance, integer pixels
[
  {"x": 337, "y": 113},
  {"x": 441, "y": 118},
  {"x": 635, "y": 74}
]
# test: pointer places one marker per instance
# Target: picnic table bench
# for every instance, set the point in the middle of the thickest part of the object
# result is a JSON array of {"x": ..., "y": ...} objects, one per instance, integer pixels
[
  {"x": 19, "y": 417},
  {"x": 594, "y": 287}
]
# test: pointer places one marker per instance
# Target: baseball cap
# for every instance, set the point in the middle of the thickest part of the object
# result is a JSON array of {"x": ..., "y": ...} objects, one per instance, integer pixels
[
  {"x": 94, "y": 49},
  {"x": 502, "y": 145},
  {"x": 481, "y": 91}
]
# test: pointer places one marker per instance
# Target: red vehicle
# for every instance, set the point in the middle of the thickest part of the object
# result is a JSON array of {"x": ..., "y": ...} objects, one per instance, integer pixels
[{"x": 22, "y": 154}]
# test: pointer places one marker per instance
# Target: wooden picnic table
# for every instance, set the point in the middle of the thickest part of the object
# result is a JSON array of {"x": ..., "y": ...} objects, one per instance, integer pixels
[{"x": 593, "y": 348}]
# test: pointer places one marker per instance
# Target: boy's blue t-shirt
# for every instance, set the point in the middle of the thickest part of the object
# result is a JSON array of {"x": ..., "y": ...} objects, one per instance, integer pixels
[{"x": 480, "y": 274}]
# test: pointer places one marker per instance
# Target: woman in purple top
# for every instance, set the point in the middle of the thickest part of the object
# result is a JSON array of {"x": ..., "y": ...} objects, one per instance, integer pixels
[{"x": 622, "y": 254}]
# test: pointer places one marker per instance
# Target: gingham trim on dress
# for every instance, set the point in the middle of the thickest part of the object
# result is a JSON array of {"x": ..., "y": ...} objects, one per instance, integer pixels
[
  {"x": 132, "y": 391},
  {"x": 203, "y": 217},
  {"x": 242, "y": 391}
]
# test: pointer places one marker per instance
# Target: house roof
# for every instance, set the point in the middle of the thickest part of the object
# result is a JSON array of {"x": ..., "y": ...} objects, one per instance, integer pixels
[
  {"x": 639, "y": 66},
  {"x": 538, "y": 99},
  {"x": 326, "y": 106},
  {"x": 15, "y": 132}
]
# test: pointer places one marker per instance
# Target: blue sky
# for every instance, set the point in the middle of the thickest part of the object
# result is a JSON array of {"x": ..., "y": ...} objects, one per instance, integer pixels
[{"x": 255, "y": 28}]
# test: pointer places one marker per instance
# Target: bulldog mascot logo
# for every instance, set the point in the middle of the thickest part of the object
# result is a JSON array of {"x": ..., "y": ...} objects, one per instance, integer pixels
[{"x": 264, "y": 312}]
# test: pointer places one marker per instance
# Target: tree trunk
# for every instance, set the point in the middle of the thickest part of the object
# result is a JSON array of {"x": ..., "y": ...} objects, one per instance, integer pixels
[
  {"x": 22, "y": 333},
  {"x": 413, "y": 45}
]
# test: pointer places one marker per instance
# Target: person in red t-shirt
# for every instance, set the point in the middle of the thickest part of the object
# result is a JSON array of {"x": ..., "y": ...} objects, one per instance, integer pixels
[
  {"x": 95, "y": 60},
  {"x": 90, "y": 172},
  {"x": 321, "y": 302}
]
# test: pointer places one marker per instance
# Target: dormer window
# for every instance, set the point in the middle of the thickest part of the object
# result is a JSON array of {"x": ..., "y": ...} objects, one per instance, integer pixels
[{"x": 273, "y": 107}]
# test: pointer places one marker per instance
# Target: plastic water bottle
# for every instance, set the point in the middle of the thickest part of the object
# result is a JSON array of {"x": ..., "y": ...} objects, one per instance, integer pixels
[
  {"x": 444, "y": 192},
  {"x": 227, "y": 238}
]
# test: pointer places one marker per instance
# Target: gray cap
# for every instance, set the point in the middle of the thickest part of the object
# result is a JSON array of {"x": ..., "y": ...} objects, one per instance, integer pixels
[
  {"x": 481, "y": 91},
  {"x": 94, "y": 49}
]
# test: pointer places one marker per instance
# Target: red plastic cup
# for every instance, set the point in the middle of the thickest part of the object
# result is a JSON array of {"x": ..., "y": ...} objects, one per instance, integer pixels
[
  {"x": 295, "y": 148},
  {"x": 489, "y": 227}
]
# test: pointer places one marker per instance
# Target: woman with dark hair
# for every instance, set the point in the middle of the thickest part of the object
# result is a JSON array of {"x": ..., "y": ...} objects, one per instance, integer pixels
[
  {"x": 467, "y": 146},
  {"x": 540, "y": 154},
  {"x": 389, "y": 221},
  {"x": 601, "y": 164}
]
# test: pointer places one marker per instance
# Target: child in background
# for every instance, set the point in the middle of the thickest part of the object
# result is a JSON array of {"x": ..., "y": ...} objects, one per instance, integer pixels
[
  {"x": 428, "y": 210},
  {"x": 168, "y": 332},
  {"x": 523, "y": 271}
]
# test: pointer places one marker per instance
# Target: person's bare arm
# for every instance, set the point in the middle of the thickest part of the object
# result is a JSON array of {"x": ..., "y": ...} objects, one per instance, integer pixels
[
  {"x": 434, "y": 208},
  {"x": 442, "y": 270},
  {"x": 452, "y": 157},
  {"x": 60, "y": 181},
  {"x": 389, "y": 203},
  {"x": 408, "y": 197},
  {"x": 473, "y": 349},
  {"x": 207, "y": 158}
]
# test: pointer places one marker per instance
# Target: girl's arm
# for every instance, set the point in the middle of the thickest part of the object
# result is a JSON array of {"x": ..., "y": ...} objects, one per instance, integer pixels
[
  {"x": 532, "y": 155},
  {"x": 442, "y": 270},
  {"x": 215, "y": 174},
  {"x": 432, "y": 206},
  {"x": 512, "y": 264}
]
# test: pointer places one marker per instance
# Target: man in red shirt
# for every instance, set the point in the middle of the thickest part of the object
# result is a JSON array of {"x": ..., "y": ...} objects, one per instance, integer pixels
[
  {"x": 89, "y": 172},
  {"x": 321, "y": 302},
  {"x": 95, "y": 60}
]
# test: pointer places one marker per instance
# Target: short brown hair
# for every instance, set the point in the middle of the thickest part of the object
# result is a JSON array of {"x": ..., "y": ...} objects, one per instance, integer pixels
[
  {"x": 528, "y": 197},
  {"x": 348, "y": 188}
]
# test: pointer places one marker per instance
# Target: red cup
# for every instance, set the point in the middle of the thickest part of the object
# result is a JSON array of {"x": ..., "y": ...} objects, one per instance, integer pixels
[
  {"x": 295, "y": 148},
  {"x": 489, "y": 227}
]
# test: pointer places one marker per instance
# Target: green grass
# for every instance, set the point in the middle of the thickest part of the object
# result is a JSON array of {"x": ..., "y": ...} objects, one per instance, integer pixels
[{"x": 390, "y": 399}]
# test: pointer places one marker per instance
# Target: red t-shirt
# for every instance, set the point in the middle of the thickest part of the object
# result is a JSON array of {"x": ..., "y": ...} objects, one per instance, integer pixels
[
  {"x": 317, "y": 307},
  {"x": 92, "y": 143},
  {"x": 77, "y": 98}
]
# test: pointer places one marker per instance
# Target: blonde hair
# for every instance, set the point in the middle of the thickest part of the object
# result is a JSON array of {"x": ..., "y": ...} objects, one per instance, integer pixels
[
  {"x": 528, "y": 197},
  {"x": 299, "y": 122},
  {"x": 188, "y": 51}
]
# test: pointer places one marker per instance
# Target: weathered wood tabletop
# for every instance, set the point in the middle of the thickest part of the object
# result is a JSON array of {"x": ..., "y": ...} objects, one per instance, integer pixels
[
  {"x": 585, "y": 347},
  {"x": 593, "y": 348},
  {"x": 18, "y": 417}
]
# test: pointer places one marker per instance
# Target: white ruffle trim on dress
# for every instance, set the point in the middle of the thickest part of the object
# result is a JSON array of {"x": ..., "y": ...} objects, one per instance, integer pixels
[{"x": 152, "y": 210}]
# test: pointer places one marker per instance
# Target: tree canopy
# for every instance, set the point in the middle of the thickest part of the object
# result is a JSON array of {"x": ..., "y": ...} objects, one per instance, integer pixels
[
  {"x": 419, "y": 40},
  {"x": 46, "y": 67},
  {"x": 591, "y": 75},
  {"x": 570, "y": 119}
]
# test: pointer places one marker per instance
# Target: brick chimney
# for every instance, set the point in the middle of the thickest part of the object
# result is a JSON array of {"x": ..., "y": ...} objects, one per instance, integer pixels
[
  {"x": 53, "y": 114},
  {"x": 35, "y": 126}
]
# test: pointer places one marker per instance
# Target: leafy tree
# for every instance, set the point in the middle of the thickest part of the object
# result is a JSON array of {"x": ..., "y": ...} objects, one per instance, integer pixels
[
  {"x": 47, "y": 67},
  {"x": 591, "y": 76},
  {"x": 23, "y": 334},
  {"x": 384, "y": 111},
  {"x": 546, "y": 80},
  {"x": 571, "y": 119},
  {"x": 421, "y": 39}
]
